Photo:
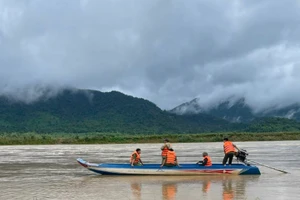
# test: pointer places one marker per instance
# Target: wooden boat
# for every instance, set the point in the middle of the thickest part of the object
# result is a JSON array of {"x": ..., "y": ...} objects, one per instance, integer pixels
[{"x": 183, "y": 170}]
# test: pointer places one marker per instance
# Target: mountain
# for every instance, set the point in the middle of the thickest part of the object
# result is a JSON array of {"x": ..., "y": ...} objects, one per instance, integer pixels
[
  {"x": 233, "y": 112},
  {"x": 82, "y": 111},
  {"x": 192, "y": 107},
  {"x": 73, "y": 110},
  {"x": 289, "y": 112},
  {"x": 269, "y": 124},
  {"x": 237, "y": 111}
]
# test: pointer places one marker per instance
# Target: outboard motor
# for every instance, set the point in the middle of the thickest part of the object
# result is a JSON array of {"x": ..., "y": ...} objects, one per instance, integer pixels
[{"x": 241, "y": 155}]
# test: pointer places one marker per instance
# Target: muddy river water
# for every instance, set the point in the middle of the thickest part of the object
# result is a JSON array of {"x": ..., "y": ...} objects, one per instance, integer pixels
[{"x": 37, "y": 172}]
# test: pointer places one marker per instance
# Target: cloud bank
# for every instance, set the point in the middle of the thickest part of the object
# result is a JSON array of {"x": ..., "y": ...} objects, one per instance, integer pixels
[{"x": 167, "y": 51}]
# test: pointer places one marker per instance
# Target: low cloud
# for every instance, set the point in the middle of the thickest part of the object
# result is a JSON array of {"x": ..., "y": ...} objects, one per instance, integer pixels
[{"x": 166, "y": 51}]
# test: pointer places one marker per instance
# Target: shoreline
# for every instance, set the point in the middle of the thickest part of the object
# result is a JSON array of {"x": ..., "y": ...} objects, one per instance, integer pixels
[{"x": 118, "y": 138}]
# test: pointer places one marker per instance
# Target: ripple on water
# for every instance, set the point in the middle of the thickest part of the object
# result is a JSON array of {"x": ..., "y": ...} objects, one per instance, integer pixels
[{"x": 51, "y": 172}]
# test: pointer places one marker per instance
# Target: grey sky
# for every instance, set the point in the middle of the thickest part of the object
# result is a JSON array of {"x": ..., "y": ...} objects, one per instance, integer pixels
[{"x": 166, "y": 51}]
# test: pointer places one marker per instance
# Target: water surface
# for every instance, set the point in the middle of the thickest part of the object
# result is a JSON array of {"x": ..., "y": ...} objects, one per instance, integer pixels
[{"x": 36, "y": 172}]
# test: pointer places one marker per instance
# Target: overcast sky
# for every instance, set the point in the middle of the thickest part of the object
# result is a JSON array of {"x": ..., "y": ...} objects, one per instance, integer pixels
[{"x": 167, "y": 51}]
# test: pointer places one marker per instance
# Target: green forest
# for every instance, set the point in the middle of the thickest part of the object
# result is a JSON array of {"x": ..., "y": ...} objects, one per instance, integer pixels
[
  {"x": 88, "y": 111},
  {"x": 114, "y": 138}
]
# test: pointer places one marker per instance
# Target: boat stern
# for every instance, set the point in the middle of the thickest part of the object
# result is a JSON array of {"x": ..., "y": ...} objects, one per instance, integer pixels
[{"x": 253, "y": 170}]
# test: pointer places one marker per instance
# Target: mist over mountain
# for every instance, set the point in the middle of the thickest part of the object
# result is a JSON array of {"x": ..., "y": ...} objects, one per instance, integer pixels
[
  {"x": 166, "y": 51},
  {"x": 238, "y": 110},
  {"x": 76, "y": 111},
  {"x": 87, "y": 111}
]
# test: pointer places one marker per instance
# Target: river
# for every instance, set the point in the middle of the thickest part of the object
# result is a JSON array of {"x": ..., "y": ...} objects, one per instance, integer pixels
[{"x": 38, "y": 172}]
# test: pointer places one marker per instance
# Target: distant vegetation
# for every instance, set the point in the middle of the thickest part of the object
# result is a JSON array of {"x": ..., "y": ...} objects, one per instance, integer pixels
[
  {"x": 84, "y": 111},
  {"x": 108, "y": 138},
  {"x": 273, "y": 124},
  {"x": 87, "y": 111}
]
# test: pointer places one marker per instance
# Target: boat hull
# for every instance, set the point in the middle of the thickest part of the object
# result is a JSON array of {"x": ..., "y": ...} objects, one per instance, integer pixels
[{"x": 183, "y": 170}]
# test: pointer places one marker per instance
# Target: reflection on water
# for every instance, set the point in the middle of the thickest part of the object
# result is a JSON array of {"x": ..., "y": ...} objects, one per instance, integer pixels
[
  {"x": 51, "y": 172},
  {"x": 169, "y": 191},
  {"x": 206, "y": 186},
  {"x": 213, "y": 187},
  {"x": 228, "y": 192},
  {"x": 136, "y": 190}
]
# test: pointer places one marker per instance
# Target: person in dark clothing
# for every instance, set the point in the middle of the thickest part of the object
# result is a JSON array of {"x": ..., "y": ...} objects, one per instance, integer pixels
[
  {"x": 229, "y": 151},
  {"x": 206, "y": 160}
]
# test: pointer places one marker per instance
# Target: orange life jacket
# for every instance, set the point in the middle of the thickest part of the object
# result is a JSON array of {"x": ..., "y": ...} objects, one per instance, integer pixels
[
  {"x": 228, "y": 195},
  {"x": 165, "y": 150},
  {"x": 137, "y": 158},
  {"x": 206, "y": 187},
  {"x": 171, "y": 157},
  {"x": 169, "y": 191},
  {"x": 208, "y": 161},
  {"x": 228, "y": 147}
]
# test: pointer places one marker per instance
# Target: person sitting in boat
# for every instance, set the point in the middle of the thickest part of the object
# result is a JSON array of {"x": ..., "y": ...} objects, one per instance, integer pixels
[
  {"x": 206, "y": 160},
  {"x": 135, "y": 158},
  {"x": 229, "y": 151},
  {"x": 164, "y": 150},
  {"x": 171, "y": 159}
]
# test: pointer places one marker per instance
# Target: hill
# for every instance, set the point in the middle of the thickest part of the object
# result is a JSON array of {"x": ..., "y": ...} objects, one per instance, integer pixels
[
  {"x": 76, "y": 111},
  {"x": 269, "y": 124},
  {"x": 83, "y": 111},
  {"x": 237, "y": 111}
]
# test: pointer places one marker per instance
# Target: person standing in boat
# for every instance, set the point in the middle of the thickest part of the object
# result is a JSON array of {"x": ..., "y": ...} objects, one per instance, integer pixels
[
  {"x": 135, "y": 158},
  {"x": 171, "y": 159},
  {"x": 229, "y": 151},
  {"x": 164, "y": 150},
  {"x": 206, "y": 160}
]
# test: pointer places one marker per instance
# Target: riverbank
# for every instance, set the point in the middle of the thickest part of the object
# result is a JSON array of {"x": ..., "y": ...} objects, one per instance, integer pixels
[{"x": 109, "y": 138}]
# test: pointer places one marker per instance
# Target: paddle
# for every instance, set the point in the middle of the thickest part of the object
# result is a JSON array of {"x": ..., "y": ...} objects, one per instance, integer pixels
[{"x": 268, "y": 166}]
